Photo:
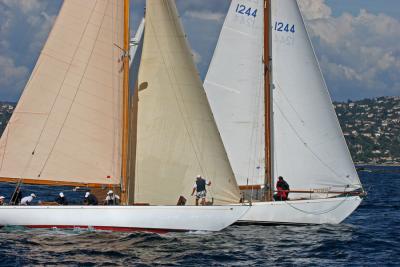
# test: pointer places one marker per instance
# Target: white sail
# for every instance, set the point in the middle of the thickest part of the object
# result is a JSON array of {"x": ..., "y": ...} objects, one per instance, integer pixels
[
  {"x": 67, "y": 124},
  {"x": 136, "y": 43},
  {"x": 309, "y": 147},
  {"x": 310, "y": 150},
  {"x": 177, "y": 136},
  {"x": 235, "y": 88}
]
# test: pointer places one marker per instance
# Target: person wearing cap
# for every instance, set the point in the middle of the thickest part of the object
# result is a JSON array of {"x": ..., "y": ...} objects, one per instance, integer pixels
[
  {"x": 283, "y": 190},
  {"x": 200, "y": 188},
  {"x": 111, "y": 199},
  {"x": 28, "y": 199},
  {"x": 2, "y": 198},
  {"x": 90, "y": 199},
  {"x": 61, "y": 199}
]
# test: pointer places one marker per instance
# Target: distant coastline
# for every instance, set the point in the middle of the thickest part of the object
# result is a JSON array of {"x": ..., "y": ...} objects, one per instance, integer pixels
[
  {"x": 377, "y": 165},
  {"x": 371, "y": 128}
]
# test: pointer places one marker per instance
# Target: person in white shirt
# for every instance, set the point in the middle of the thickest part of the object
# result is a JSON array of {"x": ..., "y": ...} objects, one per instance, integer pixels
[
  {"x": 28, "y": 199},
  {"x": 111, "y": 199},
  {"x": 200, "y": 188}
]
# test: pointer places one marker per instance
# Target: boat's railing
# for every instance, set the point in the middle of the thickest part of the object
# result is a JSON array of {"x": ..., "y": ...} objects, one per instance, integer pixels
[{"x": 256, "y": 191}]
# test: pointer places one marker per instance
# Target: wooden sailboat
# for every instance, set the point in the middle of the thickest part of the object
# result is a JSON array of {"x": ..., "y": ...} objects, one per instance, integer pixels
[
  {"x": 276, "y": 118},
  {"x": 77, "y": 124}
]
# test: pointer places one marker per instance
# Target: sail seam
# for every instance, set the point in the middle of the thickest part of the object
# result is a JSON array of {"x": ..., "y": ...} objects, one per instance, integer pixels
[
  {"x": 176, "y": 97},
  {"x": 56, "y": 97},
  {"x": 76, "y": 92}
]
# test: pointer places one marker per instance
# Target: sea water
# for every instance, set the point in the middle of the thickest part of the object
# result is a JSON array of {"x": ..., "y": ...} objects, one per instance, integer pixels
[{"x": 369, "y": 237}]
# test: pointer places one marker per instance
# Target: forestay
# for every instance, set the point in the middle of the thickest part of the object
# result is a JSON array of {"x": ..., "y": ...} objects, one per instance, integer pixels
[
  {"x": 67, "y": 124},
  {"x": 310, "y": 150},
  {"x": 177, "y": 135},
  {"x": 235, "y": 89}
]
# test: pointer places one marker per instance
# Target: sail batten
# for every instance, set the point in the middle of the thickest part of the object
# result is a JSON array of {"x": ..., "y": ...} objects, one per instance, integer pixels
[
  {"x": 68, "y": 121},
  {"x": 177, "y": 137}
]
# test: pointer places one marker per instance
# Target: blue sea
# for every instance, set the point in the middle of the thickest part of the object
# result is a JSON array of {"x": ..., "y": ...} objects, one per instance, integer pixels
[{"x": 369, "y": 237}]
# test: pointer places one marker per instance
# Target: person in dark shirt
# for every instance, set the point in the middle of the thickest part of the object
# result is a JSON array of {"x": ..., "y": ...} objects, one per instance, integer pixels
[
  {"x": 61, "y": 199},
  {"x": 283, "y": 190},
  {"x": 111, "y": 199},
  {"x": 200, "y": 188},
  {"x": 90, "y": 199}
]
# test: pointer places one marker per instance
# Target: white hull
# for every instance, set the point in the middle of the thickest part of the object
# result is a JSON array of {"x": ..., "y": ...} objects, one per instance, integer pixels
[
  {"x": 124, "y": 218},
  {"x": 316, "y": 211}
]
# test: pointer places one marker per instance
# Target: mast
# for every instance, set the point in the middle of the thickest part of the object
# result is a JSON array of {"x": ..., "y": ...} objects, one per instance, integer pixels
[
  {"x": 125, "y": 118},
  {"x": 267, "y": 101}
]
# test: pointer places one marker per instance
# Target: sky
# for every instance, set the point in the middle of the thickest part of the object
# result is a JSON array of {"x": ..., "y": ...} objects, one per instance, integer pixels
[{"x": 356, "y": 41}]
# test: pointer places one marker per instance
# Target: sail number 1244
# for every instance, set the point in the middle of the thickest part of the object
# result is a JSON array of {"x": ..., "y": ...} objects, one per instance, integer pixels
[
  {"x": 284, "y": 27},
  {"x": 244, "y": 10}
]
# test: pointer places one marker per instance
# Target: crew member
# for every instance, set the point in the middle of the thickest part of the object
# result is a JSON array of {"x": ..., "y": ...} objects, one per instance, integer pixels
[
  {"x": 200, "y": 188},
  {"x": 28, "y": 199},
  {"x": 111, "y": 199},
  {"x": 90, "y": 199},
  {"x": 61, "y": 199},
  {"x": 283, "y": 190},
  {"x": 2, "y": 198}
]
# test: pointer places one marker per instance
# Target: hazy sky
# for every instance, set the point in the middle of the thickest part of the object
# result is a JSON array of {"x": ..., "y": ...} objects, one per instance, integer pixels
[{"x": 356, "y": 41}]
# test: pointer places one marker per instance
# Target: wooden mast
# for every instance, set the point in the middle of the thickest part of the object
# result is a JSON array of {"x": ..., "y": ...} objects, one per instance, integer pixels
[
  {"x": 125, "y": 117},
  {"x": 267, "y": 101}
]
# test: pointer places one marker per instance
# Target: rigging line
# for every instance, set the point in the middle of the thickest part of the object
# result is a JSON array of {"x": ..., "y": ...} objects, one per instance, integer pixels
[
  {"x": 112, "y": 86},
  {"x": 57, "y": 96},
  {"x": 256, "y": 135},
  {"x": 8, "y": 128},
  {"x": 62, "y": 84},
  {"x": 305, "y": 144},
  {"x": 290, "y": 104},
  {"x": 321, "y": 212},
  {"x": 76, "y": 92},
  {"x": 257, "y": 153},
  {"x": 175, "y": 93}
]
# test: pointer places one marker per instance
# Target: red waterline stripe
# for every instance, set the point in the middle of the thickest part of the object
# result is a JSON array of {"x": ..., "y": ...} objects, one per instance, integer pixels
[{"x": 106, "y": 228}]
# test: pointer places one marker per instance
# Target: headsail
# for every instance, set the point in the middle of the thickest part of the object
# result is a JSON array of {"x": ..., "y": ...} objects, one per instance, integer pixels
[
  {"x": 310, "y": 150},
  {"x": 235, "y": 89},
  {"x": 67, "y": 124},
  {"x": 177, "y": 135}
]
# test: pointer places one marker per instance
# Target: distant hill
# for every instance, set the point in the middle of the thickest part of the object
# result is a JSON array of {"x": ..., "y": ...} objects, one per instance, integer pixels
[{"x": 371, "y": 128}]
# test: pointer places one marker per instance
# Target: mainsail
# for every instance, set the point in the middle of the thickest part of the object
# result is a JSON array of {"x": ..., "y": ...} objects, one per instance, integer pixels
[
  {"x": 309, "y": 147},
  {"x": 177, "y": 136},
  {"x": 66, "y": 127}
]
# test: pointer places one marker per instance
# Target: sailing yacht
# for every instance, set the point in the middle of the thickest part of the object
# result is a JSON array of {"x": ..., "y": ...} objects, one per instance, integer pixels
[
  {"x": 276, "y": 118},
  {"x": 78, "y": 124}
]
